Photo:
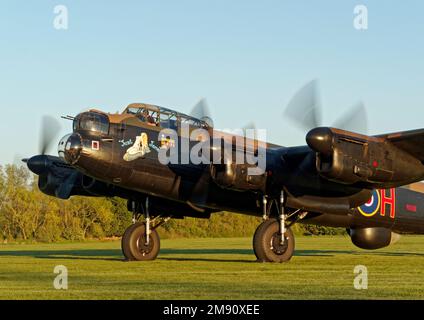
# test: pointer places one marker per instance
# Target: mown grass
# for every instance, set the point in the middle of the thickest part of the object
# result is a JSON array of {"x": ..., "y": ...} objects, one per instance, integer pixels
[{"x": 213, "y": 269}]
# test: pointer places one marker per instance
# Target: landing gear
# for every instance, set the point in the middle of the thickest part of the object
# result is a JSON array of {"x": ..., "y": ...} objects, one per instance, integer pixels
[
  {"x": 141, "y": 241},
  {"x": 135, "y": 245},
  {"x": 268, "y": 244},
  {"x": 273, "y": 240}
]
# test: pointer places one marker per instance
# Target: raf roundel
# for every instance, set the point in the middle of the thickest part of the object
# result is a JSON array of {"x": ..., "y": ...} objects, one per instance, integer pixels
[{"x": 370, "y": 208}]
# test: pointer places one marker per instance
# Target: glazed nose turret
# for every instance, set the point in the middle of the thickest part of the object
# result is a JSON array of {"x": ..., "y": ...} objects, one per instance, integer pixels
[{"x": 70, "y": 148}]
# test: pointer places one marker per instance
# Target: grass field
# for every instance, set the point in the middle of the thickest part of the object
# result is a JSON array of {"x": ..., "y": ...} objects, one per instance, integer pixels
[{"x": 213, "y": 269}]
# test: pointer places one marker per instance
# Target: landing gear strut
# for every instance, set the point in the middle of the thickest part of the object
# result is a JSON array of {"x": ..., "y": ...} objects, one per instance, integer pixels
[
  {"x": 273, "y": 240},
  {"x": 141, "y": 241},
  {"x": 282, "y": 218}
]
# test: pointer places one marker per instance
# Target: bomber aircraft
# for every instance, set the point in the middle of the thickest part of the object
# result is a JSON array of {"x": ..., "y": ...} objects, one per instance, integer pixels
[{"x": 150, "y": 155}]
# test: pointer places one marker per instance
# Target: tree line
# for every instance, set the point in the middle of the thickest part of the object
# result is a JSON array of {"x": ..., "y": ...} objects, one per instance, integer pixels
[{"x": 26, "y": 214}]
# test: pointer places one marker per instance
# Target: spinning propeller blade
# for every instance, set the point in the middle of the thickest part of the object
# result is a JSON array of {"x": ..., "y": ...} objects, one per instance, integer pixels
[
  {"x": 50, "y": 128},
  {"x": 201, "y": 111},
  {"x": 305, "y": 106},
  {"x": 306, "y": 110},
  {"x": 355, "y": 119}
]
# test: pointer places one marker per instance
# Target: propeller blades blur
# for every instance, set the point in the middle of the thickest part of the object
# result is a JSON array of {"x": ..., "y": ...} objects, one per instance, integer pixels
[
  {"x": 306, "y": 110},
  {"x": 355, "y": 119},
  {"x": 250, "y": 126},
  {"x": 50, "y": 128},
  {"x": 305, "y": 106},
  {"x": 201, "y": 111}
]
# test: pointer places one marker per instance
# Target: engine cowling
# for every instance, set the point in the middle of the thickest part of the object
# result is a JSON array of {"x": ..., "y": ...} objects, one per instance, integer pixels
[
  {"x": 49, "y": 183},
  {"x": 348, "y": 158},
  {"x": 236, "y": 177},
  {"x": 372, "y": 238},
  {"x": 53, "y": 173}
]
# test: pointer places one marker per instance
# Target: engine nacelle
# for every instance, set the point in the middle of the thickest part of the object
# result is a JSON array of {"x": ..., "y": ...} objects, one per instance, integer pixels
[
  {"x": 49, "y": 183},
  {"x": 236, "y": 177},
  {"x": 372, "y": 238},
  {"x": 346, "y": 157}
]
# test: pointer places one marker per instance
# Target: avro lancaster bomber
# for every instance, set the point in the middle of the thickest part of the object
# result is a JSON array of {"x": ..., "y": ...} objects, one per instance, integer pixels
[{"x": 339, "y": 178}]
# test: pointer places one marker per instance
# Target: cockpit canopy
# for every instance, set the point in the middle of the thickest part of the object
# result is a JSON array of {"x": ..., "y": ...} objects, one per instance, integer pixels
[
  {"x": 162, "y": 117},
  {"x": 93, "y": 122}
]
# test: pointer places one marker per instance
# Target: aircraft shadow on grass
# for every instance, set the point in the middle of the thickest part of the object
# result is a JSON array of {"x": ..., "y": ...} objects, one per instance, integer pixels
[
  {"x": 86, "y": 254},
  {"x": 189, "y": 254}
]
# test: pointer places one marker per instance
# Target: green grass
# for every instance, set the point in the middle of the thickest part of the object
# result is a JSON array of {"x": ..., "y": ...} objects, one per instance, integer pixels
[{"x": 213, "y": 269}]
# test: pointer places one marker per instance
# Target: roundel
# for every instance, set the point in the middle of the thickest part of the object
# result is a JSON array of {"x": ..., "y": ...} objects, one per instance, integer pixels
[{"x": 372, "y": 206}]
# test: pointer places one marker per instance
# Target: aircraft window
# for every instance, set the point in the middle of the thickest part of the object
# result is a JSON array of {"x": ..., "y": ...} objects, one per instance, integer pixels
[
  {"x": 173, "y": 122},
  {"x": 94, "y": 122},
  {"x": 190, "y": 122},
  {"x": 168, "y": 121},
  {"x": 133, "y": 110},
  {"x": 150, "y": 117}
]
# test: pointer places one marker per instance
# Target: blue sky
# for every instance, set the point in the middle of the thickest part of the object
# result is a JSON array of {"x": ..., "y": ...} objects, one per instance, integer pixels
[{"x": 247, "y": 58}]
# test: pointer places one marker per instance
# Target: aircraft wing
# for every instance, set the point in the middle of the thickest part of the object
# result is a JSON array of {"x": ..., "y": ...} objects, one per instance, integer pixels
[{"x": 410, "y": 141}]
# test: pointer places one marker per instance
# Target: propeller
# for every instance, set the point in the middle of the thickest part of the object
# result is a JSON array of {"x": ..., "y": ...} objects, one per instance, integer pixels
[
  {"x": 199, "y": 193},
  {"x": 305, "y": 106},
  {"x": 306, "y": 110},
  {"x": 50, "y": 128},
  {"x": 201, "y": 111},
  {"x": 355, "y": 119},
  {"x": 200, "y": 190}
]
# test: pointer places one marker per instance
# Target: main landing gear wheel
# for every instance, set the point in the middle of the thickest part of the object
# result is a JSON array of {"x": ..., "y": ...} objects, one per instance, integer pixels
[
  {"x": 267, "y": 243},
  {"x": 135, "y": 246}
]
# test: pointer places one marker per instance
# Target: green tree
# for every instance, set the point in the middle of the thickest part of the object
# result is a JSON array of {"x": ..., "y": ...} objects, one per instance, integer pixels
[{"x": 94, "y": 214}]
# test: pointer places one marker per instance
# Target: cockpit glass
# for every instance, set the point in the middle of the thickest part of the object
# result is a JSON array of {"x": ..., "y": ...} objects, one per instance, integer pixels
[
  {"x": 164, "y": 118},
  {"x": 93, "y": 122},
  {"x": 133, "y": 110}
]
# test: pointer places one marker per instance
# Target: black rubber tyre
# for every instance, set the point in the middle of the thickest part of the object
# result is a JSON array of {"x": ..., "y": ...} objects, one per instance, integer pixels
[
  {"x": 256, "y": 235},
  {"x": 125, "y": 248},
  {"x": 134, "y": 245},
  {"x": 266, "y": 243}
]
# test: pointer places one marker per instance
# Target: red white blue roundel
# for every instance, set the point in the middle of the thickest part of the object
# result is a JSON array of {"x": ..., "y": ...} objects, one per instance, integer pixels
[{"x": 372, "y": 206}]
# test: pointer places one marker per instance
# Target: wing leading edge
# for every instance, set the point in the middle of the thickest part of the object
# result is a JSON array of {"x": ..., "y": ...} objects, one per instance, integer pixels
[{"x": 411, "y": 142}]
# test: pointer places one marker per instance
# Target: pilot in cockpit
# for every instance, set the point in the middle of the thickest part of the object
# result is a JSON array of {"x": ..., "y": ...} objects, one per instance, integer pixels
[{"x": 146, "y": 117}]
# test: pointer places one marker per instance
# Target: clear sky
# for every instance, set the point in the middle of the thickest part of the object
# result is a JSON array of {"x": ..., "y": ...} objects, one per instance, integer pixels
[{"x": 246, "y": 57}]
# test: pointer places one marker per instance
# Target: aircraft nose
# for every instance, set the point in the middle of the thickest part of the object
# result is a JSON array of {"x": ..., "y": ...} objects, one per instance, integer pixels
[{"x": 71, "y": 149}]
